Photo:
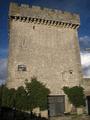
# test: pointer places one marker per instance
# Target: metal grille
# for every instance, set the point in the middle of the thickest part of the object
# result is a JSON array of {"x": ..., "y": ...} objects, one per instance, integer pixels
[{"x": 56, "y": 105}]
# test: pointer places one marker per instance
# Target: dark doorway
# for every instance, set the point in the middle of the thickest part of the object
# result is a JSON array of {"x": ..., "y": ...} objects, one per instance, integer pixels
[
  {"x": 88, "y": 103},
  {"x": 56, "y": 105}
]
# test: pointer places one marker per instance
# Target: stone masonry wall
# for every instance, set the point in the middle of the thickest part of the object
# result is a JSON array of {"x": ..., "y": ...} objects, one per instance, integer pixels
[
  {"x": 43, "y": 13},
  {"x": 49, "y": 53},
  {"x": 46, "y": 42}
]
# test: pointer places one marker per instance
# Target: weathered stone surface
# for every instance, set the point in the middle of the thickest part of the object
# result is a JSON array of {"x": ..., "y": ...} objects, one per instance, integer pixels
[
  {"x": 50, "y": 53},
  {"x": 43, "y": 13}
]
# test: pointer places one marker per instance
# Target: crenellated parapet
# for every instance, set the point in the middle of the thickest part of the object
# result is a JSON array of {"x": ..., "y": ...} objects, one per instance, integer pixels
[{"x": 38, "y": 15}]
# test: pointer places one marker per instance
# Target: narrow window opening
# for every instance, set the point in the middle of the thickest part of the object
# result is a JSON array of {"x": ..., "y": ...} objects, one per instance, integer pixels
[
  {"x": 70, "y": 71},
  {"x": 33, "y": 27}
]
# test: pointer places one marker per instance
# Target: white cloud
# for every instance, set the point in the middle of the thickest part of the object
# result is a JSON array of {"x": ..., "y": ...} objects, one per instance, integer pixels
[
  {"x": 85, "y": 58},
  {"x": 85, "y": 54},
  {"x": 85, "y": 61},
  {"x": 84, "y": 42},
  {"x": 3, "y": 70},
  {"x": 85, "y": 39}
]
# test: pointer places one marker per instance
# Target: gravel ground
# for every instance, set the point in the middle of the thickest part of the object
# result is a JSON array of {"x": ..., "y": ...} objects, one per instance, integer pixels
[{"x": 74, "y": 117}]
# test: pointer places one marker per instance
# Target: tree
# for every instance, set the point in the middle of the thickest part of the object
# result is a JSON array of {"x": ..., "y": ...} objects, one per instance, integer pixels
[
  {"x": 20, "y": 98},
  {"x": 37, "y": 94},
  {"x": 75, "y": 95},
  {"x": 1, "y": 94},
  {"x": 8, "y": 97},
  {"x": 33, "y": 95}
]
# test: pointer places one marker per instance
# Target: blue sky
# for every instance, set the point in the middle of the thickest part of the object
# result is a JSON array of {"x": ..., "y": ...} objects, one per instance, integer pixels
[{"x": 82, "y": 7}]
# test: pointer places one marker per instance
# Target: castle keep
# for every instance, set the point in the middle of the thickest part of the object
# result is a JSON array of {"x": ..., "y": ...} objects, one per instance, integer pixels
[{"x": 44, "y": 43}]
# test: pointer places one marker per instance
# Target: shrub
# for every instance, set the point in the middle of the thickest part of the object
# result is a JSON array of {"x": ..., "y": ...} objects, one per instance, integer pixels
[{"x": 75, "y": 95}]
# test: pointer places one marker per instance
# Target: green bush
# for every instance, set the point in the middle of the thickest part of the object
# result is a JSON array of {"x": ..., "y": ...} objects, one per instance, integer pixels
[
  {"x": 33, "y": 95},
  {"x": 37, "y": 93},
  {"x": 8, "y": 97},
  {"x": 75, "y": 95}
]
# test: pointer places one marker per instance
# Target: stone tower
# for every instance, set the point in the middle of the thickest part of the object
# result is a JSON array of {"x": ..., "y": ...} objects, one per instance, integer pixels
[{"x": 43, "y": 43}]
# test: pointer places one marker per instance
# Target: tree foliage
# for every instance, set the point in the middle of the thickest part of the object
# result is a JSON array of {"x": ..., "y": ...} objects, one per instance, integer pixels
[
  {"x": 75, "y": 95},
  {"x": 37, "y": 93},
  {"x": 20, "y": 98},
  {"x": 8, "y": 96},
  {"x": 33, "y": 95}
]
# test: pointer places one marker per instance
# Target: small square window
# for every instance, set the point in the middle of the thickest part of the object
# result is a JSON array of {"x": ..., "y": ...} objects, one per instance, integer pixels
[{"x": 22, "y": 68}]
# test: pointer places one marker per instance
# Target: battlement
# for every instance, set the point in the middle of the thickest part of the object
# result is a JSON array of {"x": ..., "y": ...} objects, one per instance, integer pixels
[{"x": 41, "y": 15}]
